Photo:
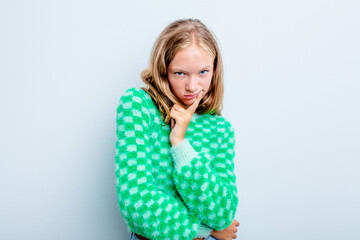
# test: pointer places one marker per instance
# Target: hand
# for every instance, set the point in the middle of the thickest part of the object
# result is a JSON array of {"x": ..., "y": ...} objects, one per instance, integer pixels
[
  {"x": 227, "y": 233},
  {"x": 180, "y": 119}
]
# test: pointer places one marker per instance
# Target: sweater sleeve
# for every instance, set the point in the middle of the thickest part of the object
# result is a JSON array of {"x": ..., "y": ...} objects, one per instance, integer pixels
[
  {"x": 147, "y": 211},
  {"x": 208, "y": 191}
]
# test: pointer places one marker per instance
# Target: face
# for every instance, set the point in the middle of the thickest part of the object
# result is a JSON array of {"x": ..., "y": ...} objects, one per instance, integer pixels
[{"x": 189, "y": 72}]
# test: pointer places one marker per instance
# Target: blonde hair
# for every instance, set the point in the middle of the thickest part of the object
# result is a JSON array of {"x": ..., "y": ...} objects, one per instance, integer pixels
[{"x": 176, "y": 36}]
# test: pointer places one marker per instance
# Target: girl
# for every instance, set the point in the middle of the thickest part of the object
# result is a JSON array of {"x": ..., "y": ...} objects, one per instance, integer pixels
[{"x": 174, "y": 151}]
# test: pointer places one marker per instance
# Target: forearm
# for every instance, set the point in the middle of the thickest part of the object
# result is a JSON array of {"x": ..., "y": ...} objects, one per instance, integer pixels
[{"x": 212, "y": 195}]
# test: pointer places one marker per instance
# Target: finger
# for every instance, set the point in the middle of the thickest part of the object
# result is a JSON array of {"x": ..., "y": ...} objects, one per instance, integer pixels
[
  {"x": 176, "y": 114},
  {"x": 175, "y": 106},
  {"x": 194, "y": 106},
  {"x": 179, "y": 113},
  {"x": 172, "y": 123},
  {"x": 179, "y": 108},
  {"x": 237, "y": 223},
  {"x": 234, "y": 236},
  {"x": 176, "y": 117}
]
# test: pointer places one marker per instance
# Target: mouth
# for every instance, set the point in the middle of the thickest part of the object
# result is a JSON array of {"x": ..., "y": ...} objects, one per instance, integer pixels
[{"x": 191, "y": 96}]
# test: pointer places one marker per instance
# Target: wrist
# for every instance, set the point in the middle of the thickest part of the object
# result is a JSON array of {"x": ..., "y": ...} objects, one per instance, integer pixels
[
  {"x": 182, "y": 153},
  {"x": 176, "y": 142}
]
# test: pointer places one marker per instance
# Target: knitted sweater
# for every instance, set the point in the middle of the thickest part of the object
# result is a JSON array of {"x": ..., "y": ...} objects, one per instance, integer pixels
[{"x": 173, "y": 192}]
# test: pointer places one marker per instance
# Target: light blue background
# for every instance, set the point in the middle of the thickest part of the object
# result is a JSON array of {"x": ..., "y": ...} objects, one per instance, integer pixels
[{"x": 292, "y": 94}]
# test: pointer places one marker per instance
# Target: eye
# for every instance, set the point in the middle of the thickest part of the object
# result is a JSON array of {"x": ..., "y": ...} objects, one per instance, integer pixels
[
  {"x": 203, "y": 72},
  {"x": 179, "y": 73}
]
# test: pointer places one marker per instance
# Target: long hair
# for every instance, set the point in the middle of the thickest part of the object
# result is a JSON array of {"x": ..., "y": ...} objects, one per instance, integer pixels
[{"x": 176, "y": 36}]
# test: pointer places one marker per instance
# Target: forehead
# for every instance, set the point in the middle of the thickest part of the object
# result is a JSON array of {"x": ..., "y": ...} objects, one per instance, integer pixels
[{"x": 191, "y": 58}]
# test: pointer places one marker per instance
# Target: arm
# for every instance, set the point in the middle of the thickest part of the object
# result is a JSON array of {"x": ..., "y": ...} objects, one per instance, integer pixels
[
  {"x": 209, "y": 192},
  {"x": 147, "y": 211}
]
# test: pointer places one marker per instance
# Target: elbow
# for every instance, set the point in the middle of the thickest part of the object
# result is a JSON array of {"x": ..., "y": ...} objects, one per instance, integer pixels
[{"x": 227, "y": 213}]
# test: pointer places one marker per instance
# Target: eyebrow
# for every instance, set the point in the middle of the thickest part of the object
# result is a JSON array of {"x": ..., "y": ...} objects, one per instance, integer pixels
[{"x": 179, "y": 69}]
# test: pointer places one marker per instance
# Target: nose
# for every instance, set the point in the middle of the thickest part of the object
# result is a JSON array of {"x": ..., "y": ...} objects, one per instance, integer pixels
[{"x": 191, "y": 84}]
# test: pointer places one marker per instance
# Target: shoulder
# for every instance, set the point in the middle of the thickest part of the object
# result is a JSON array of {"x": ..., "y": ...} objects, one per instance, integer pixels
[
  {"x": 224, "y": 128},
  {"x": 134, "y": 100},
  {"x": 134, "y": 94},
  {"x": 135, "y": 97},
  {"x": 220, "y": 122}
]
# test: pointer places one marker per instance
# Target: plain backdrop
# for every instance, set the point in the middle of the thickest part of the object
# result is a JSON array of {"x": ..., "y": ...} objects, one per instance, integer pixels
[{"x": 291, "y": 93}]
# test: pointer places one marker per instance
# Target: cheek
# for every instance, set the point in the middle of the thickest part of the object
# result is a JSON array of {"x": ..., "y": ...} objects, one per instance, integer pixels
[
  {"x": 171, "y": 83},
  {"x": 174, "y": 86},
  {"x": 206, "y": 82}
]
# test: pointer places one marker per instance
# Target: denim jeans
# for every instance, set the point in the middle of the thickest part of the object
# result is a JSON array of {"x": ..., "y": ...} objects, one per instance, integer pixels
[{"x": 134, "y": 237}]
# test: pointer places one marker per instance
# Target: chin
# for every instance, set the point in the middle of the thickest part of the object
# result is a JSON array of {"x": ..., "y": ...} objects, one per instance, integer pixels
[{"x": 188, "y": 101}]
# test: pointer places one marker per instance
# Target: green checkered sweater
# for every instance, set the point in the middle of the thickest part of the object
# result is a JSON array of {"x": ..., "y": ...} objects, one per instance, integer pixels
[{"x": 173, "y": 192}]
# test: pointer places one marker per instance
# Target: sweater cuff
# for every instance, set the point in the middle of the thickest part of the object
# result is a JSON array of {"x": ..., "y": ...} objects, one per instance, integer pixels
[
  {"x": 182, "y": 153},
  {"x": 203, "y": 231}
]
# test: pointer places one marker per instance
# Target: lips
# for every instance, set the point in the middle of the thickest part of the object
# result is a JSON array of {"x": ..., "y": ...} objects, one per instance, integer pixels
[{"x": 191, "y": 96}]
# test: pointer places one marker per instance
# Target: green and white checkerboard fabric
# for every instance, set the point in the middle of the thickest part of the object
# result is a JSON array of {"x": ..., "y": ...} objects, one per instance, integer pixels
[{"x": 178, "y": 192}]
